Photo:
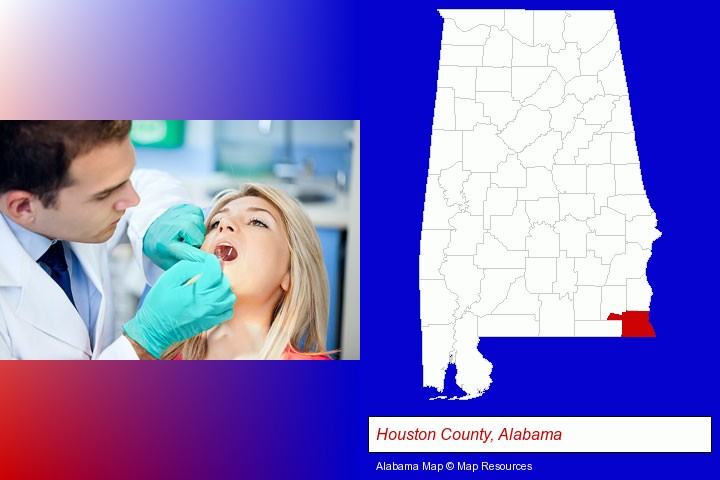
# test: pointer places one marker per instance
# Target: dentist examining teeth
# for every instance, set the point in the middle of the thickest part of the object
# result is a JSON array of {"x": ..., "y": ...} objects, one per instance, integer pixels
[{"x": 68, "y": 195}]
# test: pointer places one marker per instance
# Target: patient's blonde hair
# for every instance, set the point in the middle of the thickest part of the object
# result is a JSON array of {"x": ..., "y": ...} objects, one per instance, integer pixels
[{"x": 300, "y": 317}]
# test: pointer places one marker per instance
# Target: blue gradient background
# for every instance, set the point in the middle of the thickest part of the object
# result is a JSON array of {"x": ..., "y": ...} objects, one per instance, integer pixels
[
  {"x": 376, "y": 61},
  {"x": 178, "y": 59}
]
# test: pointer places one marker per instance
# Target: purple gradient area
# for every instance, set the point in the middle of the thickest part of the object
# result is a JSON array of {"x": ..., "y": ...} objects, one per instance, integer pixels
[
  {"x": 121, "y": 420},
  {"x": 179, "y": 59}
]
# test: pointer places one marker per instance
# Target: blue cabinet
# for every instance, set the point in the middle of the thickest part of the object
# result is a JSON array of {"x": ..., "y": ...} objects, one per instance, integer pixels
[{"x": 332, "y": 243}]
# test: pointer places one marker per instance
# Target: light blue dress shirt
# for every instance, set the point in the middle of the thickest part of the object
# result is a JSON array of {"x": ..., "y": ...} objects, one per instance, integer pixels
[{"x": 87, "y": 297}]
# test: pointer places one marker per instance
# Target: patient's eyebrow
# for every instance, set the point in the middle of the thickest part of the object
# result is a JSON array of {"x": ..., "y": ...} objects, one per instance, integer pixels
[
  {"x": 108, "y": 191},
  {"x": 258, "y": 209}
]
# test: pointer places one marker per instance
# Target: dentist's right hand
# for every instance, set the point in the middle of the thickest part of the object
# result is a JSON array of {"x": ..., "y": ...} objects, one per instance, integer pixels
[{"x": 173, "y": 312}]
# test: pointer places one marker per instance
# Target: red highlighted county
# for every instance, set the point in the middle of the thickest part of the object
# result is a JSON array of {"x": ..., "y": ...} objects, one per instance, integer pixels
[{"x": 634, "y": 324}]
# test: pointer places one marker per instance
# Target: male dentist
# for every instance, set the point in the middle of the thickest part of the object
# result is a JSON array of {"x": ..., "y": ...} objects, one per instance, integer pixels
[{"x": 68, "y": 196}]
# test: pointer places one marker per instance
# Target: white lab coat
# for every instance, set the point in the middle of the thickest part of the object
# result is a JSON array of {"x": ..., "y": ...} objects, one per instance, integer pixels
[{"x": 37, "y": 320}]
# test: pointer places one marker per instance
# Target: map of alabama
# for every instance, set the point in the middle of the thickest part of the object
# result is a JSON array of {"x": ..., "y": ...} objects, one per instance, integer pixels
[{"x": 536, "y": 220}]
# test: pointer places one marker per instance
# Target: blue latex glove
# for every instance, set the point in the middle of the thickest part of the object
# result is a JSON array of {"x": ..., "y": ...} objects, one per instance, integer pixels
[
  {"x": 173, "y": 312},
  {"x": 175, "y": 235}
]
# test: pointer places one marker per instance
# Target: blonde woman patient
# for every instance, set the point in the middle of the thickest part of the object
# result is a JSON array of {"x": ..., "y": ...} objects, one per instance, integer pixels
[{"x": 271, "y": 256}]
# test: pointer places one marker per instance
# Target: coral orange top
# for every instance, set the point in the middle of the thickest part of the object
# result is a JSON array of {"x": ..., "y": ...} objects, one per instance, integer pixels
[{"x": 289, "y": 354}]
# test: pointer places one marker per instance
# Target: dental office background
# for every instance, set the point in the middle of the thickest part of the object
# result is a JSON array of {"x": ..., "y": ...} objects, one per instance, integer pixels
[{"x": 315, "y": 161}]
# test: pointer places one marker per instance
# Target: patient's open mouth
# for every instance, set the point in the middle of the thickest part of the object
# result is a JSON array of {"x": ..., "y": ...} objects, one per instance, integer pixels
[{"x": 225, "y": 252}]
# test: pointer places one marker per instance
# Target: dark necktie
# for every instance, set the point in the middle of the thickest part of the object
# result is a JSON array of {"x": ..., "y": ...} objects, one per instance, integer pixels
[{"x": 54, "y": 258}]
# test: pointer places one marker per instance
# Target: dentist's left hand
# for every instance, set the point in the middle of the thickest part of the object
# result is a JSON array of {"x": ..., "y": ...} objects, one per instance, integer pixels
[{"x": 175, "y": 235}]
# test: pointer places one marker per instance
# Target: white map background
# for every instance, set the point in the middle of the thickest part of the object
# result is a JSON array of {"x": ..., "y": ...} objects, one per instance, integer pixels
[{"x": 536, "y": 220}]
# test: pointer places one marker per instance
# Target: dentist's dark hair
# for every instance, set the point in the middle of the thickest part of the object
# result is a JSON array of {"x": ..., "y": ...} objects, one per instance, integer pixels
[{"x": 35, "y": 155}]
